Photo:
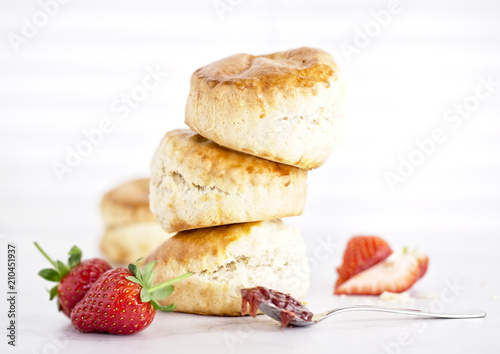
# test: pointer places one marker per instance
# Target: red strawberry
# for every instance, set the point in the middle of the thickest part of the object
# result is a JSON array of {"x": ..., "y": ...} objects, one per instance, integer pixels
[
  {"x": 395, "y": 274},
  {"x": 122, "y": 301},
  {"x": 74, "y": 279},
  {"x": 362, "y": 252}
]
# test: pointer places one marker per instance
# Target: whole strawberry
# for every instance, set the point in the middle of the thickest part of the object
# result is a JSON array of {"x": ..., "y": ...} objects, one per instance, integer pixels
[
  {"x": 74, "y": 279},
  {"x": 122, "y": 301}
]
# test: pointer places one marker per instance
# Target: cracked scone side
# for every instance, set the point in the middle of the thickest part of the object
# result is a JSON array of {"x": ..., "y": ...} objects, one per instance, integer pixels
[
  {"x": 225, "y": 259},
  {"x": 196, "y": 183}
]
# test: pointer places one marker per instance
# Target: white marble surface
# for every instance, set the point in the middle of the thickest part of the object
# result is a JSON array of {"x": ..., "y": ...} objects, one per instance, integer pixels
[
  {"x": 458, "y": 279},
  {"x": 427, "y": 59}
]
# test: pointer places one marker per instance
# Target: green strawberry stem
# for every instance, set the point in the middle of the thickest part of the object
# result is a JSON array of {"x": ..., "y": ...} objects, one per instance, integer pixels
[
  {"x": 169, "y": 282},
  {"x": 46, "y": 255},
  {"x": 150, "y": 293},
  {"x": 60, "y": 269}
]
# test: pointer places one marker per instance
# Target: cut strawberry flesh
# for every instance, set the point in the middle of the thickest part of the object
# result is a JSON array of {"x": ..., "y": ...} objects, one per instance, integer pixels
[
  {"x": 396, "y": 274},
  {"x": 361, "y": 253}
]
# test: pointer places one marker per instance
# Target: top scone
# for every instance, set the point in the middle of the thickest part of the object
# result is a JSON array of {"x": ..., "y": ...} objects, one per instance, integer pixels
[{"x": 286, "y": 107}]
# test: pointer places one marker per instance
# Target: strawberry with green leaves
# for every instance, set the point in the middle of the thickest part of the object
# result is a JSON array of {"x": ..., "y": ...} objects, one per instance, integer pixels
[
  {"x": 74, "y": 279},
  {"x": 123, "y": 301}
]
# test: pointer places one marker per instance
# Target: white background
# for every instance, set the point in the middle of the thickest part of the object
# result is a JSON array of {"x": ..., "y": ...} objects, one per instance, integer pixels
[{"x": 424, "y": 60}]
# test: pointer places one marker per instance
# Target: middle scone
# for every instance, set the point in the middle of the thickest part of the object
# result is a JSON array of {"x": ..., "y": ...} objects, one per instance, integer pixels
[{"x": 196, "y": 183}]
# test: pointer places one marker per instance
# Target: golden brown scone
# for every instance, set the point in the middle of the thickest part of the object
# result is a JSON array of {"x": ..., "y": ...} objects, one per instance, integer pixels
[
  {"x": 128, "y": 202},
  {"x": 131, "y": 229},
  {"x": 286, "y": 107},
  {"x": 225, "y": 259},
  {"x": 196, "y": 183}
]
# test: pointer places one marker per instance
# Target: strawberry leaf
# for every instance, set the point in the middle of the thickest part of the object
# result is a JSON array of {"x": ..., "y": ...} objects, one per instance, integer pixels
[
  {"x": 148, "y": 274},
  {"x": 158, "y": 307},
  {"x": 61, "y": 267},
  {"x": 145, "y": 296},
  {"x": 53, "y": 292},
  {"x": 134, "y": 279},
  {"x": 75, "y": 256},
  {"x": 133, "y": 268},
  {"x": 169, "y": 308},
  {"x": 162, "y": 293},
  {"x": 148, "y": 268},
  {"x": 137, "y": 272},
  {"x": 50, "y": 274}
]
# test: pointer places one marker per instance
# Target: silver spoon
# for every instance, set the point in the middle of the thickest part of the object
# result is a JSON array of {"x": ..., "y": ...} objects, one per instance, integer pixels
[{"x": 275, "y": 313}]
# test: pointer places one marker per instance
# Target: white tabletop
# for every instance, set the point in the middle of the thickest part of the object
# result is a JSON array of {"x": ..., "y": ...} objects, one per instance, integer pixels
[
  {"x": 457, "y": 280},
  {"x": 407, "y": 78}
]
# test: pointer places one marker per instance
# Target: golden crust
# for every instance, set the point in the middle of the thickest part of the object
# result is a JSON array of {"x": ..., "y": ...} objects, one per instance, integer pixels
[
  {"x": 200, "y": 244},
  {"x": 128, "y": 202},
  {"x": 213, "y": 160},
  {"x": 298, "y": 68}
]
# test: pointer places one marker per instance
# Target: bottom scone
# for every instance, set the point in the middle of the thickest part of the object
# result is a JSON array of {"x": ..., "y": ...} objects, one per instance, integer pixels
[
  {"x": 127, "y": 242},
  {"x": 225, "y": 259}
]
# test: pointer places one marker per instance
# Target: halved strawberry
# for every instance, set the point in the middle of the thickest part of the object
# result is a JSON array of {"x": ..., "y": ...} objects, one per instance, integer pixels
[
  {"x": 396, "y": 274},
  {"x": 362, "y": 252}
]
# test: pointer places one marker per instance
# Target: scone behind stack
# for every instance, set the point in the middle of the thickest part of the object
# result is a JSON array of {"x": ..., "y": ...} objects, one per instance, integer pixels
[
  {"x": 131, "y": 229},
  {"x": 225, "y": 259}
]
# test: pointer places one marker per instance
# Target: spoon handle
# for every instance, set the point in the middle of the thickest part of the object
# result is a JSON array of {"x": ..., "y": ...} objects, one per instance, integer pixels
[{"x": 466, "y": 314}]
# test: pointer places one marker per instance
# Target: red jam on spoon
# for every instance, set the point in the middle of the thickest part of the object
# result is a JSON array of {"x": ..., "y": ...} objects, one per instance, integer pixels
[{"x": 290, "y": 307}]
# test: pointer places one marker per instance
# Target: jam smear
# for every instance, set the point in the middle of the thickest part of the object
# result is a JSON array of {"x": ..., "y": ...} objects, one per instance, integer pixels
[{"x": 290, "y": 307}]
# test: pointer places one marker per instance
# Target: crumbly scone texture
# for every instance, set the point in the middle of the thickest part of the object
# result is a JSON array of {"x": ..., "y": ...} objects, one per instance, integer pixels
[
  {"x": 286, "y": 107},
  {"x": 126, "y": 243},
  {"x": 225, "y": 259},
  {"x": 128, "y": 202},
  {"x": 196, "y": 183}
]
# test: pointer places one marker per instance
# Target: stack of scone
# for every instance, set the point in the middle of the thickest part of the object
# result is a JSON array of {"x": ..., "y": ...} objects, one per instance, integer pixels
[
  {"x": 131, "y": 229},
  {"x": 259, "y": 123}
]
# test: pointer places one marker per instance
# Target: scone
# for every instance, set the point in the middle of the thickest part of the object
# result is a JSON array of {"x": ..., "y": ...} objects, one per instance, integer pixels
[
  {"x": 286, "y": 107},
  {"x": 196, "y": 183},
  {"x": 131, "y": 229},
  {"x": 126, "y": 243},
  {"x": 128, "y": 202},
  {"x": 225, "y": 259}
]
